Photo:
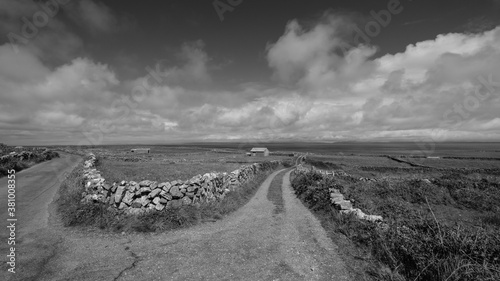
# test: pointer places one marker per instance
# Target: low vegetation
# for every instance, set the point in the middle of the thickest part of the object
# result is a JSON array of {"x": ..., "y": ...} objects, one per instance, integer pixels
[
  {"x": 24, "y": 160},
  {"x": 172, "y": 163},
  {"x": 115, "y": 171},
  {"x": 441, "y": 228},
  {"x": 76, "y": 213}
]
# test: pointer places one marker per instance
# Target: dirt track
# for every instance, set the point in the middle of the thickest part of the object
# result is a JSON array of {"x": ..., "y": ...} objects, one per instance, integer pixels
[{"x": 254, "y": 243}]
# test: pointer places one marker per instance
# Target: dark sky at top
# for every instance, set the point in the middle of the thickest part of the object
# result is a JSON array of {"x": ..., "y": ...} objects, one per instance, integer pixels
[
  {"x": 159, "y": 27},
  {"x": 272, "y": 70}
]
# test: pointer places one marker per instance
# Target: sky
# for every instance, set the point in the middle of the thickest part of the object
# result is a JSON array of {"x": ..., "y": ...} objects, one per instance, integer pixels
[{"x": 118, "y": 72}]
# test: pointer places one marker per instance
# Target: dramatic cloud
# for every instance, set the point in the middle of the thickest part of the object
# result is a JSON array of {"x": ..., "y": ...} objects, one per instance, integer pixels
[
  {"x": 35, "y": 95},
  {"x": 433, "y": 84},
  {"x": 319, "y": 57},
  {"x": 446, "y": 89}
]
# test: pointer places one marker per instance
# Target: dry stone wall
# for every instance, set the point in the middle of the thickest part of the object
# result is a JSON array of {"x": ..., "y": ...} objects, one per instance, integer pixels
[
  {"x": 136, "y": 197},
  {"x": 302, "y": 169},
  {"x": 337, "y": 198}
]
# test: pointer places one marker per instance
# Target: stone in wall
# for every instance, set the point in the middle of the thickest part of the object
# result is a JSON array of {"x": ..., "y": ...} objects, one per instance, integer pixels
[
  {"x": 154, "y": 193},
  {"x": 186, "y": 200},
  {"x": 175, "y": 192},
  {"x": 128, "y": 198},
  {"x": 137, "y": 203},
  {"x": 119, "y": 194},
  {"x": 133, "y": 186},
  {"x": 165, "y": 186}
]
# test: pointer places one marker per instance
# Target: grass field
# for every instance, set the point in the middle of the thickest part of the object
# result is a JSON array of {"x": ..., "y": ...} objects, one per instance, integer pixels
[
  {"x": 117, "y": 163},
  {"x": 462, "y": 163},
  {"x": 357, "y": 161},
  {"x": 114, "y": 171},
  {"x": 404, "y": 167},
  {"x": 461, "y": 149}
]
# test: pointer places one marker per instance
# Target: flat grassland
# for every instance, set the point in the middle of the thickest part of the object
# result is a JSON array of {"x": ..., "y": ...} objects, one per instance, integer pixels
[
  {"x": 382, "y": 165},
  {"x": 355, "y": 161},
  {"x": 166, "y": 163},
  {"x": 463, "y": 163}
]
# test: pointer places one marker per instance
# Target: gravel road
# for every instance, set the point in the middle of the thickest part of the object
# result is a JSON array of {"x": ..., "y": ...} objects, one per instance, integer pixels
[{"x": 254, "y": 243}]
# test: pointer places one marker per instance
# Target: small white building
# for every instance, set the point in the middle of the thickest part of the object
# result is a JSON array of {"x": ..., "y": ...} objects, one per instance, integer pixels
[
  {"x": 140, "y": 150},
  {"x": 259, "y": 151}
]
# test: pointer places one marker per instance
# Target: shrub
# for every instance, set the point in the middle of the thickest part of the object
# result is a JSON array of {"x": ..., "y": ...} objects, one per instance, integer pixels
[
  {"x": 3, "y": 171},
  {"x": 412, "y": 244},
  {"x": 18, "y": 164},
  {"x": 322, "y": 165},
  {"x": 287, "y": 163}
]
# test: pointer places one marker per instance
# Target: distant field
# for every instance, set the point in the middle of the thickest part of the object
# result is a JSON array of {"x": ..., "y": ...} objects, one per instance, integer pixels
[
  {"x": 464, "y": 149},
  {"x": 462, "y": 163},
  {"x": 169, "y": 163},
  {"x": 113, "y": 170},
  {"x": 183, "y": 161},
  {"x": 461, "y": 149},
  {"x": 372, "y": 166},
  {"x": 353, "y": 161},
  {"x": 380, "y": 161}
]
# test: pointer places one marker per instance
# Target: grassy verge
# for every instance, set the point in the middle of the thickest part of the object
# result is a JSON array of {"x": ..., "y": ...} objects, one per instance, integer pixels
[
  {"x": 416, "y": 242},
  {"x": 75, "y": 213}
]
